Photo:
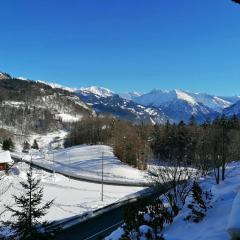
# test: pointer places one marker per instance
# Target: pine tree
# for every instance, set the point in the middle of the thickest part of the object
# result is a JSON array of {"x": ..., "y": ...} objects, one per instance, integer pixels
[
  {"x": 29, "y": 210},
  {"x": 35, "y": 145},
  {"x": 26, "y": 146},
  {"x": 8, "y": 144}
]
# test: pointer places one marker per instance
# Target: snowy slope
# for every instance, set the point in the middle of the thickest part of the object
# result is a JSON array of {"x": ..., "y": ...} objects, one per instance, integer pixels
[
  {"x": 34, "y": 107},
  {"x": 213, "y": 102},
  {"x": 86, "y": 162},
  {"x": 216, "y": 222},
  {"x": 214, "y": 225},
  {"x": 55, "y": 85},
  {"x": 130, "y": 95},
  {"x": 177, "y": 105},
  {"x": 160, "y": 97},
  {"x": 234, "y": 109},
  {"x": 4, "y": 76},
  {"x": 71, "y": 197},
  {"x": 98, "y": 91}
]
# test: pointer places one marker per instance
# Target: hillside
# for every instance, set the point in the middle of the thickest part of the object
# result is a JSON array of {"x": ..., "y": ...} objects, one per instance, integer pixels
[
  {"x": 216, "y": 224},
  {"x": 29, "y": 106},
  {"x": 234, "y": 109}
]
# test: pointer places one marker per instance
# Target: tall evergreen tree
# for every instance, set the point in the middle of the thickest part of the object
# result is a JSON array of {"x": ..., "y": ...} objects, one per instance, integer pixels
[{"x": 29, "y": 210}]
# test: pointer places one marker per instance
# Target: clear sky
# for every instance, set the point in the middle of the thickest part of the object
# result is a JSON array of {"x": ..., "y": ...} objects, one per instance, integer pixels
[{"x": 124, "y": 45}]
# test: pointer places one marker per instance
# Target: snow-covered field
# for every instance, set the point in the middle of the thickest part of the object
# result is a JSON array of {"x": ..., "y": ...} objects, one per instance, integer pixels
[
  {"x": 214, "y": 225},
  {"x": 71, "y": 197},
  {"x": 86, "y": 162}
]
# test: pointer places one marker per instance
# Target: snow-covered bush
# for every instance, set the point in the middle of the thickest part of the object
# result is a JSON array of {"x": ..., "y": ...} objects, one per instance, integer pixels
[
  {"x": 150, "y": 213},
  {"x": 201, "y": 202}
]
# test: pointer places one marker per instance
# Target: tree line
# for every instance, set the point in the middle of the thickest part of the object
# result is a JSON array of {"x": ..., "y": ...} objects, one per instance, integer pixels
[{"x": 207, "y": 146}]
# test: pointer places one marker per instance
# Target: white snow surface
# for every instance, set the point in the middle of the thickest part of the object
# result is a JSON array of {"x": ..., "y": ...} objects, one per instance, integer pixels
[
  {"x": 56, "y": 85},
  {"x": 69, "y": 118},
  {"x": 224, "y": 213},
  {"x": 130, "y": 95},
  {"x": 99, "y": 91},
  {"x": 71, "y": 197},
  {"x": 234, "y": 109},
  {"x": 158, "y": 98},
  {"x": 214, "y": 224},
  {"x": 5, "y": 157},
  {"x": 234, "y": 219},
  {"x": 86, "y": 162}
]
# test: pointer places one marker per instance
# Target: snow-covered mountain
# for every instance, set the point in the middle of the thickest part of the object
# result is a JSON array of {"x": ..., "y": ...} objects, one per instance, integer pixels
[
  {"x": 130, "y": 95},
  {"x": 4, "y": 76},
  {"x": 155, "y": 106},
  {"x": 173, "y": 105},
  {"x": 53, "y": 85},
  {"x": 234, "y": 109},
  {"x": 97, "y": 91},
  {"x": 177, "y": 105},
  {"x": 214, "y": 102},
  {"x": 106, "y": 102},
  {"x": 31, "y": 106},
  {"x": 180, "y": 105}
]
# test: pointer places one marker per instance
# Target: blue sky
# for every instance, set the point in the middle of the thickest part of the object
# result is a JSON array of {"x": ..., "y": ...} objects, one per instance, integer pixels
[{"x": 124, "y": 45}]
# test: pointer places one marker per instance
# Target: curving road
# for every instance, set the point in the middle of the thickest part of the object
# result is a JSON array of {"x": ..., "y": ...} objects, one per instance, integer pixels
[
  {"x": 84, "y": 178},
  {"x": 94, "y": 228}
]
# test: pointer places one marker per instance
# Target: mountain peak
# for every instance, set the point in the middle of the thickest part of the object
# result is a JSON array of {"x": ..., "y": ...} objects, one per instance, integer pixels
[
  {"x": 99, "y": 91},
  {"x": 182, "y": 95}
]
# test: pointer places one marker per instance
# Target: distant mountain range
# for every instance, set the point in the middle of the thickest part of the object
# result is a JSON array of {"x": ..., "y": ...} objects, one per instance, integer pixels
[
  {"x": 104, "y": 101},
  {"x": 174, "y": 105},
  {"x": 39, "y": 100},
  {"x": 180, "y": 105}
]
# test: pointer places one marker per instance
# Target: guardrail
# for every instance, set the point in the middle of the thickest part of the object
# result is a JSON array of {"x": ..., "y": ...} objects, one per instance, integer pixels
[{"x": 69, "y": 222}]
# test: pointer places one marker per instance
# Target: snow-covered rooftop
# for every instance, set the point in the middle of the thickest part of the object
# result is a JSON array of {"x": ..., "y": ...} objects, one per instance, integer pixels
[{"x": 5, "y": 157}]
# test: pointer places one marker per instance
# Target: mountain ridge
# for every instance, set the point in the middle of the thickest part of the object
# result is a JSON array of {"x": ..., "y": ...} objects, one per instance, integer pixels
[{"x": 156, "y": 106}]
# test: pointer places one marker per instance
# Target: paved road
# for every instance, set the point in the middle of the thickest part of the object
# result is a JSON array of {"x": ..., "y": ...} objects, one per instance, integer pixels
[{"x": 95, "y": 227}]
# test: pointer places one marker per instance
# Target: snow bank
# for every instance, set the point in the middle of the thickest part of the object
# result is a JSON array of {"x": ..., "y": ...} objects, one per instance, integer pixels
[
  {"x": 233, "y": 227},
  {"x": 220, "y": 221}
]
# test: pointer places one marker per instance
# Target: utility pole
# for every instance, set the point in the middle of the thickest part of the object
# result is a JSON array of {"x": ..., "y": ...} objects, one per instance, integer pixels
[
  {"x": 102, "y": 176},
  {"x": 69, "y": 162},
  {"x": 53, "y": 160}
]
